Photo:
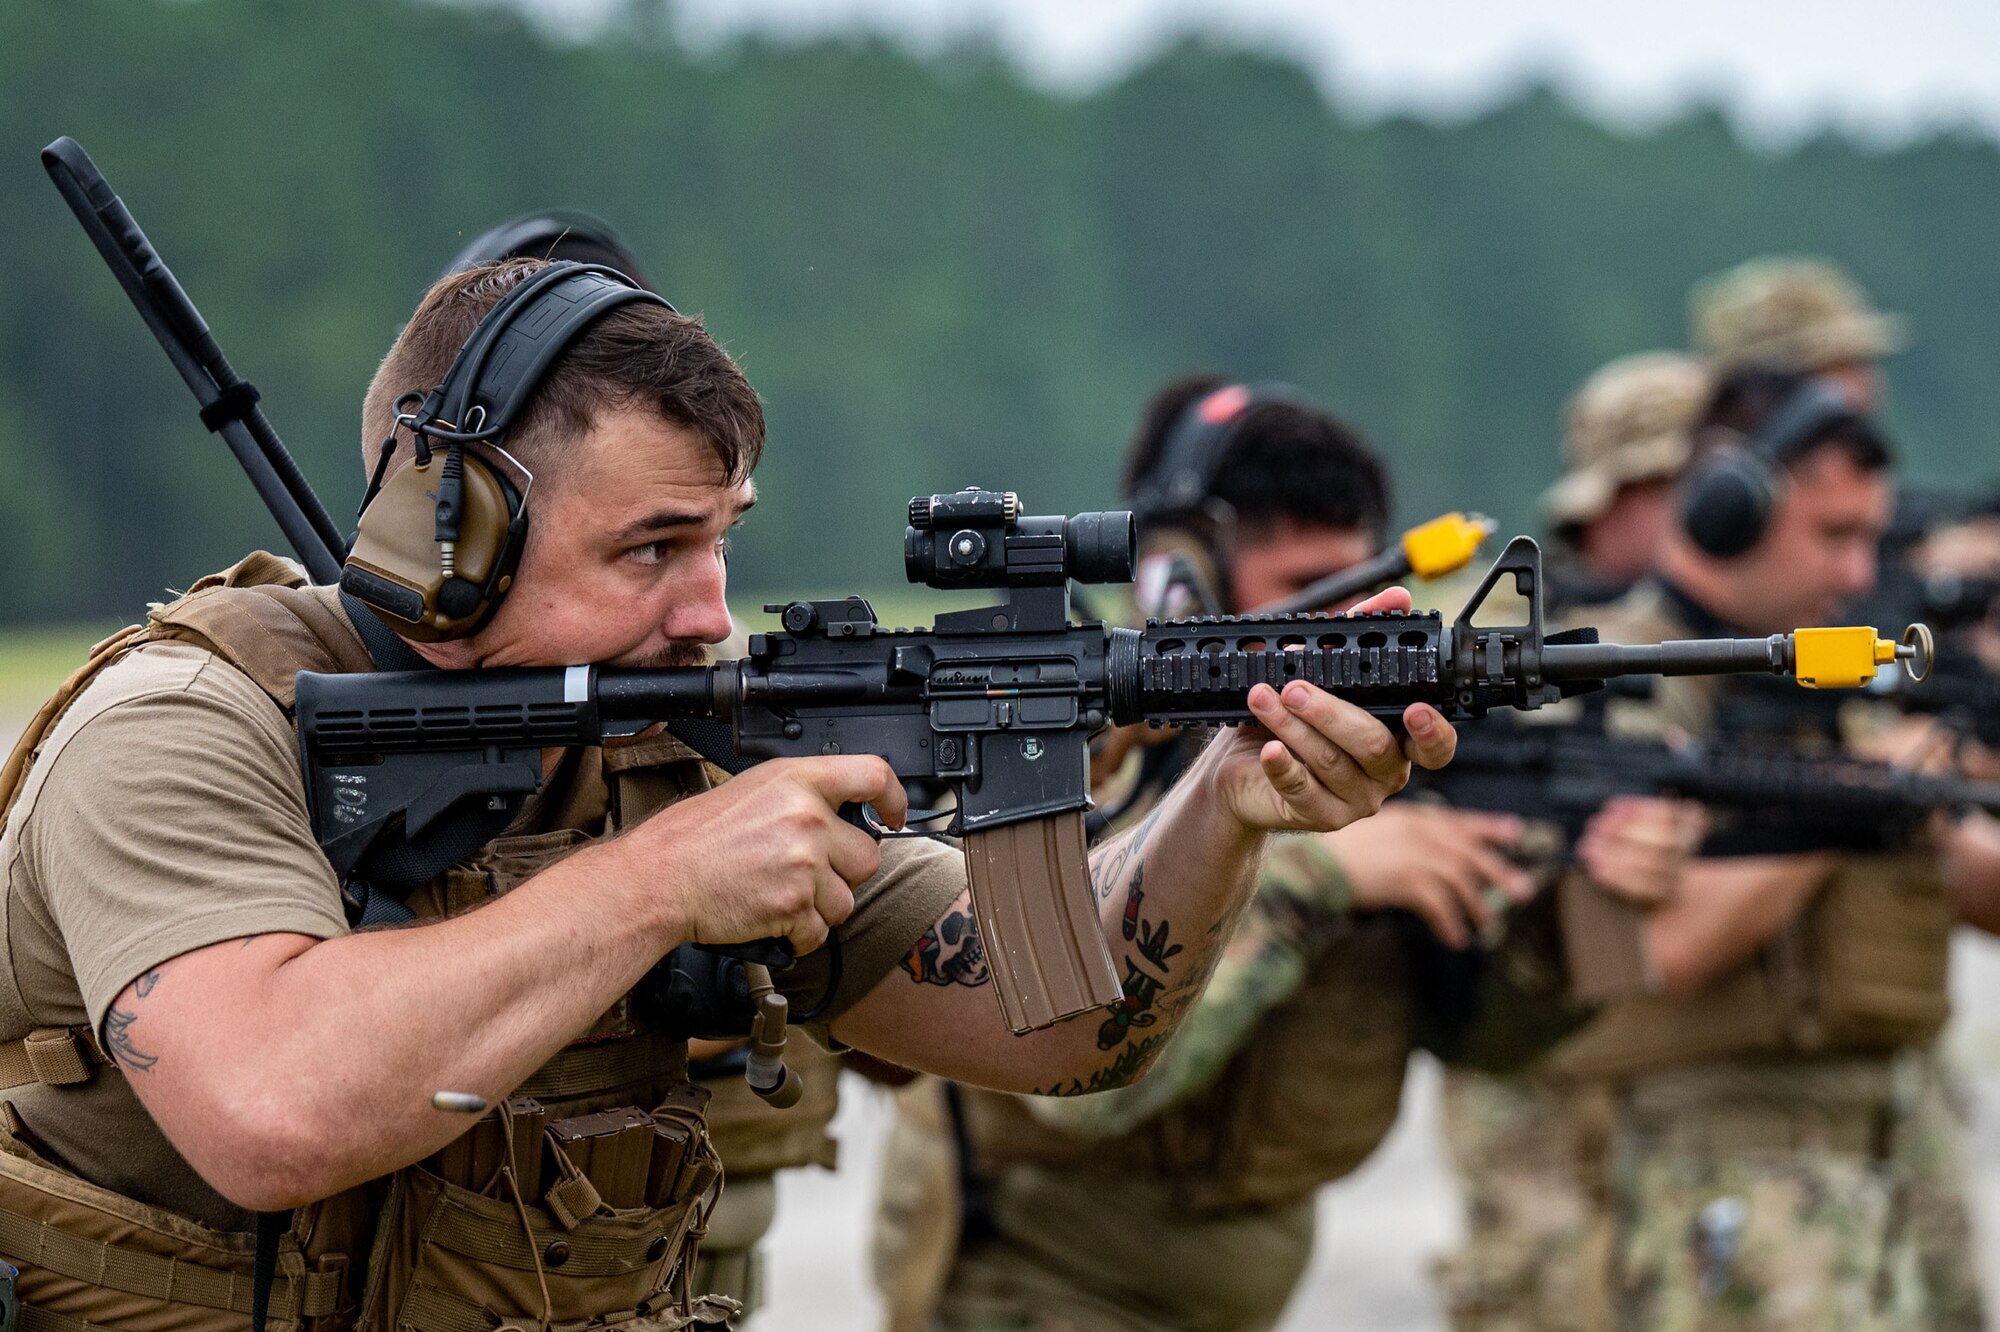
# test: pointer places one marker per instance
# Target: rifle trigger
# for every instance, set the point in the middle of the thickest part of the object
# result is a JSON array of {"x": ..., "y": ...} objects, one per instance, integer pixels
[{"x": 865, "y": 818}]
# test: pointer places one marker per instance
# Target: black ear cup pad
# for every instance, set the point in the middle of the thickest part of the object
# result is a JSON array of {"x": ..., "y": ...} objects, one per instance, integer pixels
[{"x": 1727, "y": 503}]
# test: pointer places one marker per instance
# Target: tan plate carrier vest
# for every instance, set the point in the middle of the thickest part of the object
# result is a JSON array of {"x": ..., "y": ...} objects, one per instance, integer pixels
[{"x": 451, "y": 1244}]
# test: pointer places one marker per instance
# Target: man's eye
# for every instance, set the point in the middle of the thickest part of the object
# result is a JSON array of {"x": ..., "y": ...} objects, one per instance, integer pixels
[
  {"x": 650, "y": 553},
  {"x": 723, "y": 545}
]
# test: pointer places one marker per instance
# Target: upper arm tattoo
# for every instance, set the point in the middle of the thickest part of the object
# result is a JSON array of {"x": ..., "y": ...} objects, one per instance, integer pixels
[{"x": 118, "y": 1028}]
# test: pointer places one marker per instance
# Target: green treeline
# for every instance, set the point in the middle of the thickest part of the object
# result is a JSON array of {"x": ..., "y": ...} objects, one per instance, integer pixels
[{"x": 935, "y": 274}]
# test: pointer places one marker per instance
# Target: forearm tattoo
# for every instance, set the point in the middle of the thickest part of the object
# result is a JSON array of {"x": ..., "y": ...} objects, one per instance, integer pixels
[
  {"x": 951, "y": 953},
  {"x": 118, "y": 1029}
]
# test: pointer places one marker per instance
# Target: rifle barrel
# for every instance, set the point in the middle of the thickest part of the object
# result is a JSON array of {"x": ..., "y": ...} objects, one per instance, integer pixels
[{"x": 1694, "y": 656}]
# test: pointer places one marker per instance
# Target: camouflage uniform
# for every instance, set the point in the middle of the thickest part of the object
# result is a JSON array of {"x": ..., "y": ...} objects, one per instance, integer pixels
[
  {"x": 1627, "y": 424},
  {"x": 1184, "y": 1201},
  {"x": 1528, "y": 1158},
  {"x": 1758, "y": 1201}
]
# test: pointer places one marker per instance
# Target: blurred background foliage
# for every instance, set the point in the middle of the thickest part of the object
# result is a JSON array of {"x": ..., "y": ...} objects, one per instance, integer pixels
[{"x": 936, "y": 274}]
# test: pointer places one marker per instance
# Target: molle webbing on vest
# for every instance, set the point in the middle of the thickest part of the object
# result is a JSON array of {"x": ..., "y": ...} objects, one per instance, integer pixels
[
  {"x": 52, "y": 1056},
  {"x": 501, "y": 1243},
  {"x": 29, "y": 1243},
  {"x": 584, "y": 1070},
  {"x": 41, "y": 1320}
]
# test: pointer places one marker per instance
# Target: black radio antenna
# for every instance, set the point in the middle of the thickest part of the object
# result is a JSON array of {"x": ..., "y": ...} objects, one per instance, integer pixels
[{"x": 228, "y": 403}]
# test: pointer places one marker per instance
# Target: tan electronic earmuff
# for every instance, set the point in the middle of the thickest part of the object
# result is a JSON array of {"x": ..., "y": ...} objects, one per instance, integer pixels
[
  {"x": 399, "y": 568},
  {"x": 439, "y": 540}
]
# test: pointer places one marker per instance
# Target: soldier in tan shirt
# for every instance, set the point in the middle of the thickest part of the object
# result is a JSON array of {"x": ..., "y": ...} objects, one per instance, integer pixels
[{"x": 165, "y": 893}]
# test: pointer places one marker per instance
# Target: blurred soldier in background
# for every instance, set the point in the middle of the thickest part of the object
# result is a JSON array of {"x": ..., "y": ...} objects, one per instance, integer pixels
[
  {"x": 1625, "y": 441},
  {"x": 1189, "y": 1205},
  {"x": 753, "y": 1140},
  {"x": 1527, "y": 1158},
  {"x": 1781, "y": 1153},
  {"x": 1795, "y": 313}
]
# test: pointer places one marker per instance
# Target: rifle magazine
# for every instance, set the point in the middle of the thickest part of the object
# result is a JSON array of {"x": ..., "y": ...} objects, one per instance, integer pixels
[
  {"x": 1604, "y": 942},
  {"x": 1038, "y": 920}
]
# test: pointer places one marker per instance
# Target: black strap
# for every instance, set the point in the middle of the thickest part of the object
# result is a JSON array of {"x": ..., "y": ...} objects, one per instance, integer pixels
[
  {"x": 976, "y": 1223},
  {"x": 234, "y": 403},
  {"x": 385, "y": 649},
  {"x": 271, "y": 1227},
  {"x": 517, "y": 341}
]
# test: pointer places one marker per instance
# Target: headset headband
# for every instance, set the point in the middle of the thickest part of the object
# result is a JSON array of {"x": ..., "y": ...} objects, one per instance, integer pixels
[
  {"x": 1184, "y": 477},
  {"x": 1805, "y": 414},
  {"x": 504, "y": 360}
]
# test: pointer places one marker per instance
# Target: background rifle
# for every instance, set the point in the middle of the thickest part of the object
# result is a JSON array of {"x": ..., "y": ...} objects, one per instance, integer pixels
[
  {"x": 1430, "y": 550},
  {"x": 1567, "y": 773},
  {"x": 996, "y": 703}
]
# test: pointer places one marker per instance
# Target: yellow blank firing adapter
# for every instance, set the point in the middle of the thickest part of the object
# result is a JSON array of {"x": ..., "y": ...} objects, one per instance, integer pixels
[
  {"x": 1444, "y": 545},
  {"x": 1846, "y": 658}
]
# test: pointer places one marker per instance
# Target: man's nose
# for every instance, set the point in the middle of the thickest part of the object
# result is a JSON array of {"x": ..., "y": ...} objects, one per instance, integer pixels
[{"x": 701, "y": 612}]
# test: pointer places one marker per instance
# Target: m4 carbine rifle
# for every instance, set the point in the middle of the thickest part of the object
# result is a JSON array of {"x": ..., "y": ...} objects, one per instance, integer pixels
[{"x": 996, "y": 703}]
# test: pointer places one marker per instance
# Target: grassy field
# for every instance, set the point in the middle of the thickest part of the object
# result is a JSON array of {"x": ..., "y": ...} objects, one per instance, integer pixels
[{"x": 33, "y": 661}]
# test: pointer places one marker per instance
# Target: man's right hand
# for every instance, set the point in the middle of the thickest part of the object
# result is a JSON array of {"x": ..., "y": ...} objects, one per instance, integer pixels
[
  {"x": 1434, "y": 861},
  {"x": 766, "y": 854}
]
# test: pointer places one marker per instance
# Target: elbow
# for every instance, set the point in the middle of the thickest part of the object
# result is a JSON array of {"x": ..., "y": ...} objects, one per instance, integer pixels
[{"x": 267, "y": 1156}]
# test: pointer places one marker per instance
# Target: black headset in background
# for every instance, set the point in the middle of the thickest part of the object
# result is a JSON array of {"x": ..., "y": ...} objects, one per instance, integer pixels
[
  {"x": 1727, "y": 499},
  {"x": 554, "y": 233},
  {"x": 1177, "y": 493}
]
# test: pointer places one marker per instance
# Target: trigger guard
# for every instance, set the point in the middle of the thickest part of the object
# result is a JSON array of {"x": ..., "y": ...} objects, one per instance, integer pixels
[{"x": 865, "y": 818}]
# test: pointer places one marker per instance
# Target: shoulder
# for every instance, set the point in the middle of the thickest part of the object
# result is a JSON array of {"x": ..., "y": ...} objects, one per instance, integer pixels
[
  {"x": 164, "y": 716},
  {"x": 1642, "y": 615},
  {"x": 179, "y": 684}
]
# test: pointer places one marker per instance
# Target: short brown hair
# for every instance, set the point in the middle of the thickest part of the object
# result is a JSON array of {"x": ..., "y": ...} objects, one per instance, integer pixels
[{"x": 640, "y": 355}]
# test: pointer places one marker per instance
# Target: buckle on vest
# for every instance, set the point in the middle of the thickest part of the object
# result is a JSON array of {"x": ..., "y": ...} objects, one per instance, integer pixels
[{"x": 57, "y": 1057}]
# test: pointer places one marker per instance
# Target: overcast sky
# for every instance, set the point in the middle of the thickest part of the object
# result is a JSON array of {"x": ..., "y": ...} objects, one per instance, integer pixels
[{"x": 1886, "y": 68}]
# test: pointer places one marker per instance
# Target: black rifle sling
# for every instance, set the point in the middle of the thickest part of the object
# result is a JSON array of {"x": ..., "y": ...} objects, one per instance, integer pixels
[{"x": 271, "y": 1227}]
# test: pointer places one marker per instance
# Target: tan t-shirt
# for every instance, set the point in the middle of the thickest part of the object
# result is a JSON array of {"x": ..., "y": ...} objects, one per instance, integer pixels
[{"x": 167, "y": 813}]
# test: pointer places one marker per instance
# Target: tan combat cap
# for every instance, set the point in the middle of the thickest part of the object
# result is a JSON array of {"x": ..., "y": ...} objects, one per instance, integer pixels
[
  {"x": 1630, "y": 422},
  {"x": 1788, "y": 313}
]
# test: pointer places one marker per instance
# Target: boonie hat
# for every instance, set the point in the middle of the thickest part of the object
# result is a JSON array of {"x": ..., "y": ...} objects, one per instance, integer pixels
[{"x": 1630, "y": 422}]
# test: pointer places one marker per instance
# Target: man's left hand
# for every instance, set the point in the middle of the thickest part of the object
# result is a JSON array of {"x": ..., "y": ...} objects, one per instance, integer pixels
[{"x": 1317, "y": 763}]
